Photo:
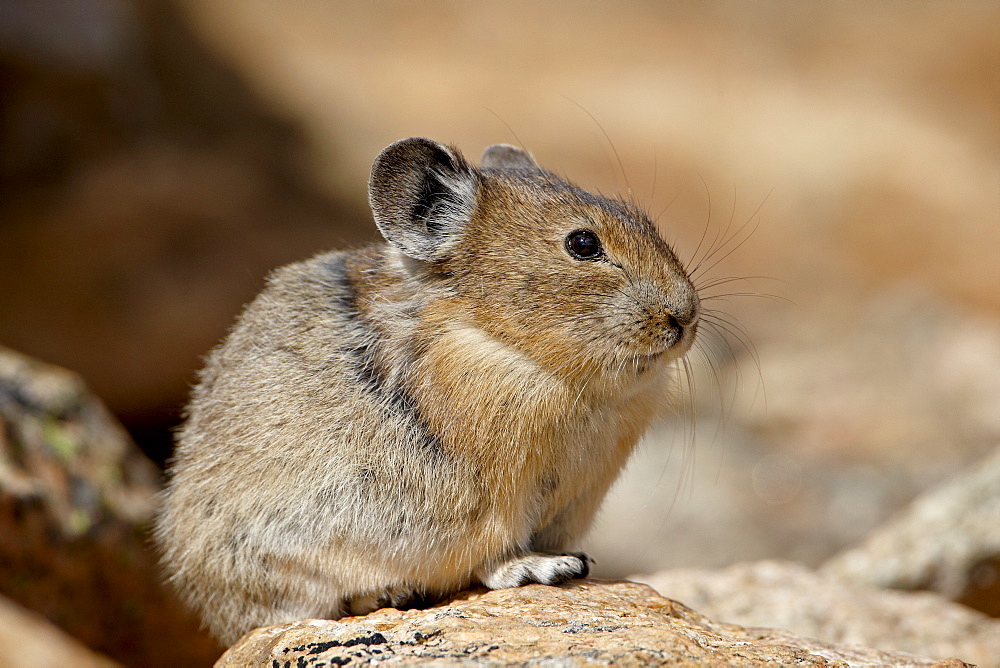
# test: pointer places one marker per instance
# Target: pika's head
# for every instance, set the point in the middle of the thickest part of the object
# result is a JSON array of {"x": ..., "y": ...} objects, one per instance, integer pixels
[{"x": 578, "y": 282}]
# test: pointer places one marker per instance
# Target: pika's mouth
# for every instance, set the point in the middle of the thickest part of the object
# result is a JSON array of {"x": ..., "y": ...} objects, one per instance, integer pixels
[{"x": 674, "y": 346}]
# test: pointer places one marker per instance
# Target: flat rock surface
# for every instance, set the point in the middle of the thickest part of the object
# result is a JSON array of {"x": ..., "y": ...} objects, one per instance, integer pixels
[
  {"x": 584, "y": 622},
  {"x": 791, "y": 596}
]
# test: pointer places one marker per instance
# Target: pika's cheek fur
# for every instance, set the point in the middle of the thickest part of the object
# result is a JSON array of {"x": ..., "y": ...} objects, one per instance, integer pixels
[{"x": 400, "y": 421}]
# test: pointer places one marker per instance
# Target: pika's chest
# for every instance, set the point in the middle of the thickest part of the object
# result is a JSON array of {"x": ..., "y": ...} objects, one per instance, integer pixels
[
  {"x": 596, "y": 443},
  {"x": 523, "y": 430}
]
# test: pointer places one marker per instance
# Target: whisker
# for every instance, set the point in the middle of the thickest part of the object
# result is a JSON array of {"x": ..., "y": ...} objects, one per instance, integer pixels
[
  {"x": 699, "y": 270},
  {"x": 669, "y": 204},
  {"x": 735, "y": 235},
  {"x": 731, "y": 279},
  {"x": 762, "y": 295},
  {"x": 506, "y": 125},
  {"x": 704, "y": 233},
  {"x": 652, "y": 193},
  {"x": 729, "y": 324},
  {"x": 614, "y": 150}
]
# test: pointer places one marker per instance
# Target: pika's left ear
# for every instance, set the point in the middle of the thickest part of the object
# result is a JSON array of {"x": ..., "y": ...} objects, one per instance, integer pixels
[
  {"x": 422, "y": 194},
  {"x": 505, "y": 156}
]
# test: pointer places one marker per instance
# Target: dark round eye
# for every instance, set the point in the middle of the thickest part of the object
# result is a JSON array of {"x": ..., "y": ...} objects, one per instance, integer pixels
[{"x": 584, "y": 245}]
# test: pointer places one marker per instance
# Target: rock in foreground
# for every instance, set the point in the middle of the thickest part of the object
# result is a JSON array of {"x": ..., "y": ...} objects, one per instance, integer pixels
[{"x": 582, "y": 622}]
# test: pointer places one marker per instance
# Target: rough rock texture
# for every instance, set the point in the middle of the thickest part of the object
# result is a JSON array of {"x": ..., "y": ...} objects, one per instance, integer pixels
[
  {"x": 28, "y": 640},
  {"x": 585, "y": 622},
  {"x": 791, "y": 596},
  {"x": 76, "y": 496},
  {"x": 948, "y": 541}
]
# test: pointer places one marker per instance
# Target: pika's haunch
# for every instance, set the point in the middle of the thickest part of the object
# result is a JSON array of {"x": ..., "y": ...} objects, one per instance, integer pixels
[{"x": 404, "y": 420}]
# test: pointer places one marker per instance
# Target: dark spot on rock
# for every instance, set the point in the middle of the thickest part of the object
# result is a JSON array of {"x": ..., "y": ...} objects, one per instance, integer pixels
[
  {"x": 583, "y": 627},
  {"x": 368, "y": 641},
  {"x": 317, "y": 647}
]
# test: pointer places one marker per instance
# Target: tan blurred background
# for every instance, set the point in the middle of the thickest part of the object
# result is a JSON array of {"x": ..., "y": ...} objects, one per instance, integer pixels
[{"x": 159, "y": 158}]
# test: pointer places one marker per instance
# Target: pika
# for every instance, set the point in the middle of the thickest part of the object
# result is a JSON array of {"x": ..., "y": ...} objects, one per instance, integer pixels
[{"x": 401, "y": 421}]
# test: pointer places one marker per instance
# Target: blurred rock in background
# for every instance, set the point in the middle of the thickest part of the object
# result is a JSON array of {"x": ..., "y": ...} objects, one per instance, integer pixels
[
  {"x": 27, "y": 640},
  {"x": 947, "y": 541},
  {"x": 789, "y": 596},
  {"x": 158, "y": 158},
  {"x": 76, "y": 502}
]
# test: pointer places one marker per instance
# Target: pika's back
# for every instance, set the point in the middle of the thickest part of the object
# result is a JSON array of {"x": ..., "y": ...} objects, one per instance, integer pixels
[{"x": 405, "y": 419}]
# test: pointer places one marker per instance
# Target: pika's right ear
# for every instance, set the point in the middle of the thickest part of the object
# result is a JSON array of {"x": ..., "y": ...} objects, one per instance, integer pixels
[
  {"x": 422, "y": 194},
  {"x": 505, "y": 156}
]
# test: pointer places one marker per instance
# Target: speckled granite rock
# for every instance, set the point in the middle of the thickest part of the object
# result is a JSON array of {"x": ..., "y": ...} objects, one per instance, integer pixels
[
  {"x": 76, "y": 496},
  {"x": 788, "y": 595},
  {"x": 584, "y": 622},
  {"x": 948, "y": 541}
]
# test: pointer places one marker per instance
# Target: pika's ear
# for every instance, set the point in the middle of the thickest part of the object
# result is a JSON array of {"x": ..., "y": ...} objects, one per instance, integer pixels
[
  {"x": 505, "y": 156},
  {"x": 422, "y": 194}
]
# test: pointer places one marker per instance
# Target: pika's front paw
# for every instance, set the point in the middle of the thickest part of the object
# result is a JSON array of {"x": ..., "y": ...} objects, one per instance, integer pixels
[{"x": 534, "y": 567}]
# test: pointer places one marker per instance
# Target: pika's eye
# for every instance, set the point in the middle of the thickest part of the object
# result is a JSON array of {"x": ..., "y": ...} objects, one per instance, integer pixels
[{"x": 584, "y": 245}]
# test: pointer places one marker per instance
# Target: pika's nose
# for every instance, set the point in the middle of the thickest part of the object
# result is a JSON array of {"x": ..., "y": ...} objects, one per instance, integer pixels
[
  {"x": 672, "y": 331},
  {"x": 684, "y": 318},
  {"x": 677, "y": 319},
  {"x": 684, "y": 310}
]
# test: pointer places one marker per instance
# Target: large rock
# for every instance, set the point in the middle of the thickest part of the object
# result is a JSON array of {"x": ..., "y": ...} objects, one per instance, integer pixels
[
  {"x": 584, "y": 622},
  {"x": 948, "y": 540},
  {"x": 790, "y": 596},
  {"x": 76, "y": 499}
]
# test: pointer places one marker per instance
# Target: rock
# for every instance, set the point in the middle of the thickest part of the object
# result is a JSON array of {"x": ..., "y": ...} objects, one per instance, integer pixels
[
  {"x": 64, "y": 453},
  {"x": 76, "y": 498},
  {"x": 581, "y": 622},
  {"x": 790, "y": 596},
  {"x": 947, "y": 540},
  {"x": 28, "y": 640}
]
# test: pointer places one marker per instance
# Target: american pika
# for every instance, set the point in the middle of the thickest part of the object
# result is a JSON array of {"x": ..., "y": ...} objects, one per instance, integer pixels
[{"x": 404, "y": 420}]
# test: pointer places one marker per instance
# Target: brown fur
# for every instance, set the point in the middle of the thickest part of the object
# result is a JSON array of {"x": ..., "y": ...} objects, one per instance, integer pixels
[{"x": 404, "y": 420}]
